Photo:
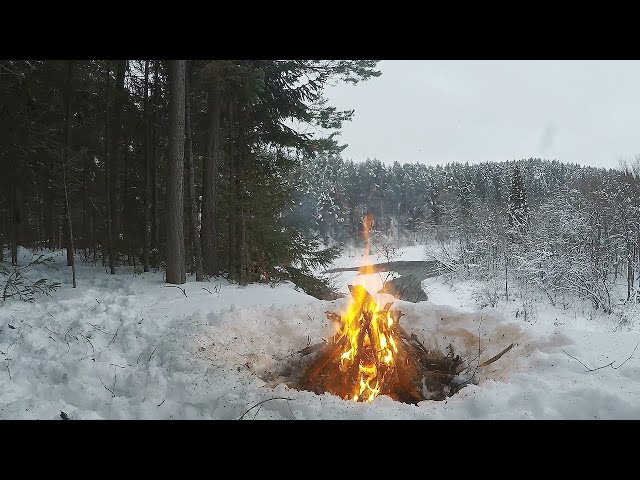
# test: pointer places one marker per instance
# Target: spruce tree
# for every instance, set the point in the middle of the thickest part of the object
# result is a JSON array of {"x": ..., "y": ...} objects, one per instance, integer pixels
[{"x": 518, "y": 207}]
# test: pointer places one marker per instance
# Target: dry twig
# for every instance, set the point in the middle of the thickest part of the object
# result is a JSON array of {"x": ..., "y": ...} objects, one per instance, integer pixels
[
  {"x": 176, "y": 286},
  {"x": 589, "y": 369},
  {"x": 634, "y": 351},
  {"x": 267, "y": 400}
]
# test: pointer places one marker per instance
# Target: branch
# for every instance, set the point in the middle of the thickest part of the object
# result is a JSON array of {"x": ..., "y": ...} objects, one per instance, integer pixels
[
  {"x": 634, "y": 351},
  {"x": 590, "y": 369},
  {"x": 112, "y": 394},
  {"x": 176, "y": 286},
  {"x": 496, "y": 357}
]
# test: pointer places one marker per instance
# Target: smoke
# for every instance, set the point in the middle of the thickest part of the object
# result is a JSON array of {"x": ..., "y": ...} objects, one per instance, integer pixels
[{"x": 547, "y": 138}]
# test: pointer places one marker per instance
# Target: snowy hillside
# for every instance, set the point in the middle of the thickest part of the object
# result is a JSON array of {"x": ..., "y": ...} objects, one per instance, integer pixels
[{"x": 130, "y": 347}]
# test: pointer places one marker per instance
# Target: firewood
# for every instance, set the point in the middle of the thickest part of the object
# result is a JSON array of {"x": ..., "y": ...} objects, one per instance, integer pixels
[
  {"x": 312, "y": 348},
  {"x": 334, "y": 317}
]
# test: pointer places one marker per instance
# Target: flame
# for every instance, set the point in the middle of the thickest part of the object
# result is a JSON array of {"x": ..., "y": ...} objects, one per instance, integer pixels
[{"x": 368, "y": 330}]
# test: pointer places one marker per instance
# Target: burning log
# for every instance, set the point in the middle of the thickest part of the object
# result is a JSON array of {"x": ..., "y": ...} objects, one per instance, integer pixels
[{"x": 371, "y": 355}]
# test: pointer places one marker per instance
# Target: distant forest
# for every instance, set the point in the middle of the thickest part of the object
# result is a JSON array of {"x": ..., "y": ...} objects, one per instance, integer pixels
[{"x": 563, "y": 228}]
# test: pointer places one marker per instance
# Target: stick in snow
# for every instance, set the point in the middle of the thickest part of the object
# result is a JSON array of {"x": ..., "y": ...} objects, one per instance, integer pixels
[{"x": 589, "y": 369}]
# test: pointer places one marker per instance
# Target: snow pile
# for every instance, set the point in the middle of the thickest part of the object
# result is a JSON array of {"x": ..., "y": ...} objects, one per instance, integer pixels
[{"x": 127, "y": 346}]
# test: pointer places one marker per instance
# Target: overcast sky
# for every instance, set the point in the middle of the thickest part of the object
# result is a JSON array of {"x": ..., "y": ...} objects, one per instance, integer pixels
[{"x": 440, "y": 111}]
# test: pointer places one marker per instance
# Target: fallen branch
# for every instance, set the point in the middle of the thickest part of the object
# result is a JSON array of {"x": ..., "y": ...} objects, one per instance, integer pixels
[
  {"x": 267, "y": 400},
  {"x": 496, "y": 357}
]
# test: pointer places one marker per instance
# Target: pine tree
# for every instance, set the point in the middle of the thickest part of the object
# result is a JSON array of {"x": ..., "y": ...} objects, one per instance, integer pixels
[{"x": 518, "y": 206}]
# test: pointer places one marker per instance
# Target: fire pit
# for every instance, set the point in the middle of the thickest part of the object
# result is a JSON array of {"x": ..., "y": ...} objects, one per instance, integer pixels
[{"x": 371, "y": 355}]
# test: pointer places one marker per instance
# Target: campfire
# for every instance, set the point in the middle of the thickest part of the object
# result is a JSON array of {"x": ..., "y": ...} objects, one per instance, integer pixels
[{"x": 371, "y": 354}]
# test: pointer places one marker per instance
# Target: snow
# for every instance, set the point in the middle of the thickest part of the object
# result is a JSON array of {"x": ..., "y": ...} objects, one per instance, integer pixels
[{"x": 128, "y": 347}]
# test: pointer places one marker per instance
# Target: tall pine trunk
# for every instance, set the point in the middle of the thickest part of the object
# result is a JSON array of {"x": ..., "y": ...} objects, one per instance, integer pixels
[
  {"x": 211, "y": 166},
  {"x": 191, "y": 189},
  {"x": 68, "y": 92},
  {"x": 154, "y": 161},
  {"x": 116, "y": 153},
  {"x": 238, "y": 163},
  {"x": 13, "y": 224},
  {"x": 107, "y": 168},
  {"x": 176, "y": 271},
  {"x": 147, "y": 171}
]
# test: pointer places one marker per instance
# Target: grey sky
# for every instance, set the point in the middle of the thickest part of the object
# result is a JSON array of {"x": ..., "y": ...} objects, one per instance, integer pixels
[{"x": 585, "y": 112}]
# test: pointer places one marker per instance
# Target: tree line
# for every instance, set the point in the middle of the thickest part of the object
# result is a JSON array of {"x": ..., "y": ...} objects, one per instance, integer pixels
[
  {"x": 181, "y": 165},
  {"x": 563, "y": 229}
]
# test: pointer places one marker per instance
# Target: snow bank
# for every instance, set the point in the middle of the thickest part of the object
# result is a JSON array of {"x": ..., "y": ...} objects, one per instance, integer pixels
[{"x": 126, "y": 346}]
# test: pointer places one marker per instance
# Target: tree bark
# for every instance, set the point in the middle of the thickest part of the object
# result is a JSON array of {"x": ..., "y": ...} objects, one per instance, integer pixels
[
  {"x": 191, "y": 189},
  {"x": 65, "y": 161},
  {"x": 176, "y": 273},
  {"x": 107, "y": 168},
  {"x": 239, "y": 162},
  {"x": 154, "y": 160},
  {"x": 116, "y": 151},
  {"x": 211, "y": 165},
  {"x": 13, "y": 221},
  {"x": 147, "y": 171},
  {"x": 65, "y": 165}
]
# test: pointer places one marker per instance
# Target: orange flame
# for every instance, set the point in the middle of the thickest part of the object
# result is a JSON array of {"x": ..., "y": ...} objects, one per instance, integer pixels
[{"x": 369, "y": 331}]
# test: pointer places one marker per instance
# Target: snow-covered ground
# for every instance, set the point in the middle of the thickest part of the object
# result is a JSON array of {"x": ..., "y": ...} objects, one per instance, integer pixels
[{"x": 128, "y": 346}]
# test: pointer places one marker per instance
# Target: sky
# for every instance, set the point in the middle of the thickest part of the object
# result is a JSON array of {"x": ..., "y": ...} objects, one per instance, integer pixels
[{"x": 440, "y": 111}]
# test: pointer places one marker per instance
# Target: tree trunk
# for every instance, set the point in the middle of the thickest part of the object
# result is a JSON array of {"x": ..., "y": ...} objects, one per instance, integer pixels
[
  {"x": 65, "y": 161},
  {"x": 68, "y": 92},
  {"x": 147, "y": 171},
  {"x": 231, "y": 155},
  {"x": 191, "y": 189},
  {"x": 211, "y": 165},
  {"x": 175, "y": 233},
  {"x": 85, "y": 205},
  {"x": 13, "y": 221},
  {"x": 154, "y": 160},
  {"x": 116, "y": 152},
  {"x": 107, "y": 168},
  {"x": 239, "y": 162}
]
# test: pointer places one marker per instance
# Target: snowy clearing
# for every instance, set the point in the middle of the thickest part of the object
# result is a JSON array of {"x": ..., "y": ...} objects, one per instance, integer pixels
[{"x": 129, "y": 347}]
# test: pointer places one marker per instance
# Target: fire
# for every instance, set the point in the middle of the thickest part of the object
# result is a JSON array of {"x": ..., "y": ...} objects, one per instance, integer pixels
[{"x": 370, "y": 345}]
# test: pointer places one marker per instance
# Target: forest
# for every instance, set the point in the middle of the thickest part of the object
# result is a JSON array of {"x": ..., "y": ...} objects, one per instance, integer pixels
[
  {"x": 178, "y": 166},
  {"x": 189, "y": 239}
]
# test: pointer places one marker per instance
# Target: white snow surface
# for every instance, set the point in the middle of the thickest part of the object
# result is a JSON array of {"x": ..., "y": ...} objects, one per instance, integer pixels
[{"x": 127, "y": 346}]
